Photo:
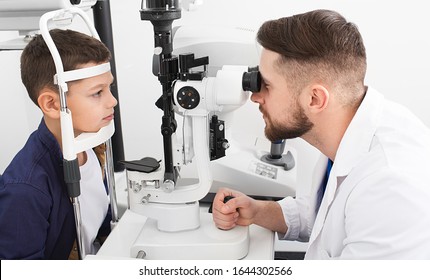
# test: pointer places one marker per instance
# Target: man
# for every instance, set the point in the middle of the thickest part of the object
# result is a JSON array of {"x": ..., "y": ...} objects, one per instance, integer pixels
[{"x": 375, "y": 204}]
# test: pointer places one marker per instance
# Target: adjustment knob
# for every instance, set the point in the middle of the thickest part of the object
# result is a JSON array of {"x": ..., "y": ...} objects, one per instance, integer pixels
[
  {"x": 188, "y": 97},
  {"x": 168, "y": 186}
]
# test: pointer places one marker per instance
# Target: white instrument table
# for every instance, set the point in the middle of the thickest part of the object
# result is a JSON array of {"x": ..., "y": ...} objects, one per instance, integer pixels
[
  {"x": 120, "y": 240},
  {"x": 123, "y": 235}
]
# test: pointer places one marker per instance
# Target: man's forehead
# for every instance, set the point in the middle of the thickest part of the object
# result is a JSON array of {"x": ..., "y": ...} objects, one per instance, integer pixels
[
  {"x": 267, "y": 59},
  {"x": 268, "y": 62}
]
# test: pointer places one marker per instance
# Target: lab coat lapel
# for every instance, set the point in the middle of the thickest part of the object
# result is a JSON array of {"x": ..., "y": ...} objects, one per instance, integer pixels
[{"x": 325, "y": 204}]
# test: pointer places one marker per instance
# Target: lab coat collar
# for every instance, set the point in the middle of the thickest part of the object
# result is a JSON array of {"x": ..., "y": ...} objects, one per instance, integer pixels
[
  {"x": 358, "y": 136},
  {"x": 354, "y": 145}
]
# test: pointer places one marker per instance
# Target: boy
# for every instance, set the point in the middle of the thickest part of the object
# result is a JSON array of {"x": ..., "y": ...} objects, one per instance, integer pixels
[{"x": 36, "y": 213}]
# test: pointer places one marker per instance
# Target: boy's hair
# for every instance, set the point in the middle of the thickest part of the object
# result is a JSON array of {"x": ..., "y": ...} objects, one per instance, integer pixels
[
  {"x": 75, "y": 49},
  {"x": 320, "y": 45}
]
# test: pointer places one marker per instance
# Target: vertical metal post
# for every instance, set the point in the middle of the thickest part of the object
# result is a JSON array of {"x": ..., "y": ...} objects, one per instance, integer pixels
[
  {"x": 111, "y": 182},
  {"x": 78, "y": 225},
  {"x": 161, "y": 14}
]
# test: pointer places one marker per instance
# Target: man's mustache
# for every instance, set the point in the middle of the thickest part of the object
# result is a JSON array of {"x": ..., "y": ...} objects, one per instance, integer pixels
[{"x": 261, "y": 110}]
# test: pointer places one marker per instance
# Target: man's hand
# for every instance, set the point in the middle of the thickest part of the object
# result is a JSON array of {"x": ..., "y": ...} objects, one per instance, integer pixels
[
  {"x": 243, "y": 210},
  {"x": 237, "y": 209}
]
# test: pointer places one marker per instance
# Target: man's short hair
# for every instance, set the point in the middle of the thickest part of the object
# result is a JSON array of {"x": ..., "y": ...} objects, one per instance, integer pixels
[{"x": 318, "y": 45}]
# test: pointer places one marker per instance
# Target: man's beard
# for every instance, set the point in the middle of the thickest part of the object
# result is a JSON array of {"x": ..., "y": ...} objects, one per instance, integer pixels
[{"x": 300, "y": 125}]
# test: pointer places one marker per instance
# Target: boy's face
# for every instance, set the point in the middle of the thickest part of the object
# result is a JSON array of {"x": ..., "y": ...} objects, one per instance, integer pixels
[{"x": 91, "y": 102}]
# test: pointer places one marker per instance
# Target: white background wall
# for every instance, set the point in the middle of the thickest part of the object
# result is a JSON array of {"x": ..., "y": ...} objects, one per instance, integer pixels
[{"x": 396, "y": 35}]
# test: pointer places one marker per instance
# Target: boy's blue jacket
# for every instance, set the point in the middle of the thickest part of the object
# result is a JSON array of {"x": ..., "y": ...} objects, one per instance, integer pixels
[{"x": 36, "y": 214}]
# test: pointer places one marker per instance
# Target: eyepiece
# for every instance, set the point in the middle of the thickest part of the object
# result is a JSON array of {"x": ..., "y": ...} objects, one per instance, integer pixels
[{"x": 251, "y": 81}]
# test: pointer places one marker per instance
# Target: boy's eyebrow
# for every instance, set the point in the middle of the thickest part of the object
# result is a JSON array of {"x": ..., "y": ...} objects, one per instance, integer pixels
[{"x": 101, "y": 85}]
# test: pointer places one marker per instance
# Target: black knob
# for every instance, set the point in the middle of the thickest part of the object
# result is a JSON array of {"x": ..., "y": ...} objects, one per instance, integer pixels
[{"x": 188, "y": 97}]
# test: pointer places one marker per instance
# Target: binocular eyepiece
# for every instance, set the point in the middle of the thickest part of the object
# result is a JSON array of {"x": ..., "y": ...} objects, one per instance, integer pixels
[{"x": 251, "y": 80}]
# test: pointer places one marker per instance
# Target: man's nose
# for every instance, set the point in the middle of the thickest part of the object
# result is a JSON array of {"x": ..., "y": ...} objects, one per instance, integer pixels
[{"x": 256, "y": 97}]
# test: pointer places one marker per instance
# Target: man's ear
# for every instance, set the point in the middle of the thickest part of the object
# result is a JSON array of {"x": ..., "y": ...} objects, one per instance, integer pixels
[
  {"x": 49, "y": 103},
  {"x": 318, "y": 98}
]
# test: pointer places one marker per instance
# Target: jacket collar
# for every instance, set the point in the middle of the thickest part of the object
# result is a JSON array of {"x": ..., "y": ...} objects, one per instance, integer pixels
[{"x": 48, "y": 139}]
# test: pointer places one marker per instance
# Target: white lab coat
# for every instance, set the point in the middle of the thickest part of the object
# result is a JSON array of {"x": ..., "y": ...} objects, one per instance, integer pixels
[{"x": 377, "y": 201}]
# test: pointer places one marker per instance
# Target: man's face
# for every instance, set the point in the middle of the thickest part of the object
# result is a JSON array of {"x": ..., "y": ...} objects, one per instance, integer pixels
[
  {"x": 282, "y": 112},
  {"x": 91, "y": 102}
]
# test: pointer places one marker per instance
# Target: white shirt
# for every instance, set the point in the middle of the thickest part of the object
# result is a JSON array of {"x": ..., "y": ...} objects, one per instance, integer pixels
[
  {"x": 377, "y": 201},
  {"x": 94, "y": 201}
]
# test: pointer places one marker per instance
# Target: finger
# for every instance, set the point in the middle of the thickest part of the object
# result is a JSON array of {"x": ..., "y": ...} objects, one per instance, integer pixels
[
  {"x": 219, "y": 199},
  {"x": 225, "y": 217},
  {"x": 223, "y": 223},
  {"x": 235, "y": 204},
  {"x": 222, "y": 194}
]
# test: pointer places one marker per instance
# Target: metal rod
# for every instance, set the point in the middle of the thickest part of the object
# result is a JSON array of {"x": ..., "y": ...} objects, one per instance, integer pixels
[
  {"x": 110, "y": 179},
  {"x": 79, "y": 229},
  {"x": 141, "y": 255}
]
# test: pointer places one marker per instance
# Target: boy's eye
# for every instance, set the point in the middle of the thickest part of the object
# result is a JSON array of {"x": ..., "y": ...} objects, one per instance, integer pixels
[
  {"x": 100, "y": 92},
  {"x": 97, "y": 93}
]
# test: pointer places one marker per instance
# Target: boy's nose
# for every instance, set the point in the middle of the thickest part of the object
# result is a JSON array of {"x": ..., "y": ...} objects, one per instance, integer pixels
[{"x": 113, "y": 101}]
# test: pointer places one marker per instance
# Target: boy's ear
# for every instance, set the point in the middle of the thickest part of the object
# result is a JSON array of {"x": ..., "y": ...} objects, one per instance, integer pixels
[{"x": 49, "y": 103}]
